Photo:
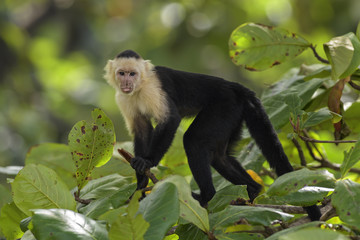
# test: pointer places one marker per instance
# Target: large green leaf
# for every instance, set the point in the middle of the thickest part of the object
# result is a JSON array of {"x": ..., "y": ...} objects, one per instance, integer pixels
[
  {"x": 112, "y": 200},
  {"x": 258, "y": 47},
  {"x": 65, "y": 224},
  {"x": 190, "y": 232},
  {"x": 37, "y": 186},
  {"x": 55, "y": 156},
  {"x": 10, "y": 219},
  {"x": 315, "y": 118},
  {"x": 190, "y": 209},
  {"x": 293, "y": 181},
  {"x": 224, "y": 197},
  {"x": 104, "y": 186},
  {"x": 351, "y": 158},
  {"x": 130, "y": 225},
  {"x": 306, "y": 196},
  {"x": 276, "y": 236},
  {"x": 254, "y": 215},
  {"x": 237, "y": 236},
  {"x": 346, "y": 201},
  {"x": 91, "y": 145},
  {"x": 344, "y": 55},
  {"x": 106, "y": 193},
  {"x": 160, "y": 209},
  {"x": 276, "y": 98},
  {"x": 313, "y": 233}
]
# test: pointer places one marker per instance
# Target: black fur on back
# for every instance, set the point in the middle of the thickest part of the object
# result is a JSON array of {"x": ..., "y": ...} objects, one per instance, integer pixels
[{"x": 128, "y": 54}]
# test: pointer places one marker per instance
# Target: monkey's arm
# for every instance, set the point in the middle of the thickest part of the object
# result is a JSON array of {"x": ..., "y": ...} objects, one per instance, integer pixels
[{"x": 149, "y": 150}]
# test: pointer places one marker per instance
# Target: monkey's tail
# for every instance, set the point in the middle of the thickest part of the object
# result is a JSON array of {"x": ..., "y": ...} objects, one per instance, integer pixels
[{"x": 264, "y": 134}]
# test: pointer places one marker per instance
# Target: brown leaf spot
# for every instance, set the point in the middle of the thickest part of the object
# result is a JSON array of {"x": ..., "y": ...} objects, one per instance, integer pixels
[
  {"x": 275, "y": 63},
  {"x": 348, "y": 213},
  {"x": 83, "y": 129},
  {"x": 99, "y": 116},
  {"x": 287, "y": 54},
  {"x": 234, "y": 43},
  {"x": 79, "y": 154},
  {"x": 95, "y": 127},
  {"x": 253, "y": 38},
  {"x": 236, "y": 53},
  {"x": 295, "y": 184},
  {"x": 78, "y": 140},
  {"x": 250, "y": 68}
]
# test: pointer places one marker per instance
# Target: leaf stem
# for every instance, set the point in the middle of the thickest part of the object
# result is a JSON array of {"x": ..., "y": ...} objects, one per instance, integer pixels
[{"x": 318, "y": 56}]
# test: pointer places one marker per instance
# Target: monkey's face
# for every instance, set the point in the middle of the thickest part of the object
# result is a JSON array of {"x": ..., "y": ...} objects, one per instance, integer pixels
[
  {"x": 125, "y": 74},
  {"x": 126, "y": 79}
]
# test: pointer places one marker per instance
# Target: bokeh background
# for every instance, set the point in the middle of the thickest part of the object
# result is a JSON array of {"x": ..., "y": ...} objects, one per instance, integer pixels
[{"x": 52, "y": 53}]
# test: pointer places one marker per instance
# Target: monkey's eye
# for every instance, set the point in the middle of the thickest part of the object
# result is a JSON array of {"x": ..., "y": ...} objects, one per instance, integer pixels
[
  {"x": 132, "y": 73},
  {"x": 122, "y": 73}
]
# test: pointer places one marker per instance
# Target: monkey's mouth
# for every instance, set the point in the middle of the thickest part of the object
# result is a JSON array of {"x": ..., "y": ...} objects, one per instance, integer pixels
[{"x": 126, "y": 90}]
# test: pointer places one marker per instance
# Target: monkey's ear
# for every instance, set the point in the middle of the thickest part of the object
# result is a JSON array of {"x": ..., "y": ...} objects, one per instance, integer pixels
[
  {"x": 148, "y": 65},
  {"x": 109, "y": 73}
]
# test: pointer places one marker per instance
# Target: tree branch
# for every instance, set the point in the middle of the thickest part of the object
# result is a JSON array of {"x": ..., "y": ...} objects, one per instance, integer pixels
[{"x": 128, "y": 156}]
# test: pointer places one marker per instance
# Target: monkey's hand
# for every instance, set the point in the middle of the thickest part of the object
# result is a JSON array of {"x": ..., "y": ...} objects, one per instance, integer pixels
[{"x": 140, "y": 164}]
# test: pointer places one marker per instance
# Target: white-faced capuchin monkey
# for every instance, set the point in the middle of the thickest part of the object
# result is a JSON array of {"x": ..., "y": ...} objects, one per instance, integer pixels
[{"x": 145, "y": 92}]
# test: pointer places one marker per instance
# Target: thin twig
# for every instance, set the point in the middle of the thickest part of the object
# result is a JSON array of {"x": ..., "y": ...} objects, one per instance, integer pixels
[
  {"x": 306, "y": 139},
  {"x": 318, "y": 56},
  {"x": 324, "y": 163},
  {"x": 300, "y": 151},
  {"x": 80, "y": 200},
  {"x": 128, "y": 156}
]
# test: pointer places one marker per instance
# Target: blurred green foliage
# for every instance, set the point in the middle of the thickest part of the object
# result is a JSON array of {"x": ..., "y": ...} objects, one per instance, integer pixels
[{"x": 53, "y": 53}]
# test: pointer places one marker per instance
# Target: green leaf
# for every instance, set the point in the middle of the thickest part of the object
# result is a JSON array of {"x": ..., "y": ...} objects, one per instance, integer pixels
[
  {"x": 10, "y": 219},
  {"x": 306, "y": 196},
  {"x": 106, "y": 193},
  {"x": 190, "y": 232},
  {"x": 346, "y": 202},
  {"x": 130, "y": 225},
  {"x": 237, "y": 236},
  {"x": 55, "y": 156},
  {"x": 112, "y": 200},
  {"x": 91, "y": 145},
  {"x": 161, "y": 209},
  {"x": 293, "y": 181},
  {"x": 351, "y": 158},
  {"x": 277, "y": 235},
  {"x": 358, "y": 31},
  {"x": 254, "y": 215},
  {"x": 275, "y": 99},
  {"x": 65, "y": 224},
  {"x": 251, "y": 157},
  {"x": 37, "y": 186},
  {"x": 344, "y": 55},
  {"x": 224, "y": 197},
  {"x": 313, "y": 233},
  {"x": 258, "y": 47},
  {"x": 190, "y": 209},
  {"x": 104, "y": 186},
  {"x": 5, "y": 195},
  {"x": 315, "y": 118}
]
